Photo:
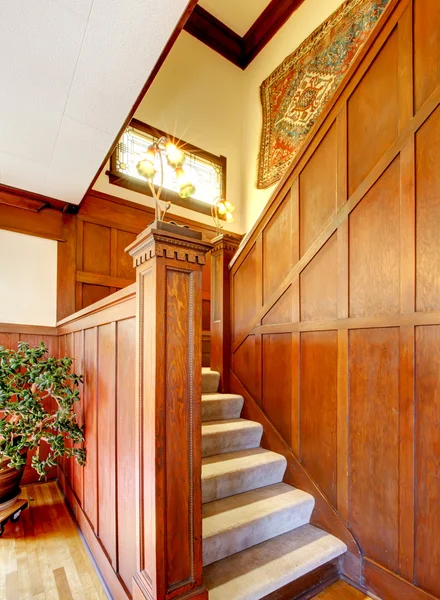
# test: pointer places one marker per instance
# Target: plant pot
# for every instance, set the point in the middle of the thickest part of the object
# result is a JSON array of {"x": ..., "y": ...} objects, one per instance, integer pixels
[{"x": 9, "y": 483}]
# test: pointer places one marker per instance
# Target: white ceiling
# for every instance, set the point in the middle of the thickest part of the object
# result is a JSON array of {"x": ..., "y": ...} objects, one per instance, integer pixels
[
  {"x": 70, "y": 72},
  {"x": 238, "y": 15}
]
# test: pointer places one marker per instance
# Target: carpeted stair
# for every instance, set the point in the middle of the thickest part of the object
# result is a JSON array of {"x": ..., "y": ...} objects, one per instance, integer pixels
[{"x": 256, "y": 532}]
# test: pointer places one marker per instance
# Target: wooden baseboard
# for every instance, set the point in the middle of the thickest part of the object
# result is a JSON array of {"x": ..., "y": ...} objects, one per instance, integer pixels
[
  {"x": 112, "y": 581},
  {"x": 390, "y": 586},
  {"x": 309, "y": 585}
]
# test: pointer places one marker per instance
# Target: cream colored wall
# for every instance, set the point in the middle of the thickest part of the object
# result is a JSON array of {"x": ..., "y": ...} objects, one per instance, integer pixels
[
  {"x": 197, "y": 96},
  {"x": 300, "y": 25},
  {"x": 28, "y": 279}
]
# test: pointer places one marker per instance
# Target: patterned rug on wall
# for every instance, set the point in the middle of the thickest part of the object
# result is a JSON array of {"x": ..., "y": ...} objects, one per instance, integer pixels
[{"x": 296, "y": 93}]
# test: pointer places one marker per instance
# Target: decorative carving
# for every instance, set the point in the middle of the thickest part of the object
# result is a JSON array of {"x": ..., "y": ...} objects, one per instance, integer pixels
[
  {"x": 225, "y": 242},
  {"x": 153, "y": 243}
]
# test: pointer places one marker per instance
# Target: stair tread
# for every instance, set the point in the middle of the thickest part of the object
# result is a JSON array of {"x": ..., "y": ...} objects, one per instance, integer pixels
[
  {"x": 233, "y": 512},
  {"x": 218, "y": 397},
  {"x": 262, "y": 569},
  {"x": 229, "y": 425},
  {"x": 221, "y": 464},
  {"x": 210, "y": 380}
]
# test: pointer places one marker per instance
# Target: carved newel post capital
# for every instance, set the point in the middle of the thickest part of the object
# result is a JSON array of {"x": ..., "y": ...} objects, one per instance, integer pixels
[{"x": 168, "y": 261}]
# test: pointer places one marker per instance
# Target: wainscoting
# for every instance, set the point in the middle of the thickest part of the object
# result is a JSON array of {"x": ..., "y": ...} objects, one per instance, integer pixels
[{"x": 336, "y": 305}]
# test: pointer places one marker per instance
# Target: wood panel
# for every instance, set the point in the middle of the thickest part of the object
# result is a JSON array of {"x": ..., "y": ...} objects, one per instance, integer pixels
[
  {"x": 96, "y": 251},
  {"x": 319, "y": 284},
  {"x": 374, "y": 233},
  {"x": 107, "y": 431},
  {"x": 90, "y": 401},
  {"x": 428, "y": 215},
  {"x": 373, "y": 114},
  {"x": 317, "y": 190},
  {"x": 247, "y": 284},
  {"x": 277, "y": 382},
  {"x": 318, "y": 433},
  {"x": 364, "y": 354},
  {"x": 428, "y": 458},
  {"x": 374, "y": 442},
  {"x": 277, "y": 237},
  {"x": 126, "y": 449},
  {"x": 426, "y": 47}
]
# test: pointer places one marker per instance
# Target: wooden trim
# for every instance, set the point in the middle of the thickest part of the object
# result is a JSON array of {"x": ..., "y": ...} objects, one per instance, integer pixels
[
  {"x": 33, "y": 202},
  {"x": 323, "y": 515},
  {"x": 267, "y": 26},
  {"x": 98, "y": 279},
  {"x": 27, "y": 329},
  {"x": 240, "y": 51},
  {"x": 211, "y": 31},
  {"x": 414, "y": 319},
  {"x": 388, "y": 585},
  {"x": 73, "y": 323},
  {"x": 167, "y": 49}
]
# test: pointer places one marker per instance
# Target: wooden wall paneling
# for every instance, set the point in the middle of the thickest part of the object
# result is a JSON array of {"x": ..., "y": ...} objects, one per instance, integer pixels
[
  {"x": 426, "y": 46},
  {"x": 47, "y": 223},
  {"x": 318, "y": 426},
  {"x": 79, "y": 288},
  {"x": 96, "y": 248},
  {"x": 126, "y": 442},
  {"x": 70, "y": 351},
  {"x": 428, "y": 214},
  {"x": 295, "y": 405},
  {"x": 374, "y": 443},
  {"x": 78, "y": 367},
  {"x": 375, "y": 233},
  {"x": 246, "y": 292},
  {"x": 406, "y": 69},
  {"x": 388, "y": 585},
  {"x": 277, "y": 243},
  {"x": 319, "y": 284},
  {"x": 107, "y": 356},
  {"x": 318, "y": 190},
  {"x": 277, "y": 381},
  {"x": 427, "y": 526},
  {"x": 373, "y": 114},
  {"x": 124, "y": 266},
  {"x": 62, "y": 353},
  {"x": 91, "y": 425},
  {"x": 282, "y": 310},
  {"x": 342, "y": 426},
  {"x": 245, "y": 365},
  {"x": 342, "y": 157},
  {"x": 66, "y": 268}
]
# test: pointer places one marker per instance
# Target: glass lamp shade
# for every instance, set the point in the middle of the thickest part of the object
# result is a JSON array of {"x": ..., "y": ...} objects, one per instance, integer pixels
[
  {"x": 175, "y": 156},
  {"x": 186, "y": 187},
  {"x": 229, "y": 217},
  {"x": 146, "y": 167},
  {"x": 229, "y": 206},
  {"x": 221, "y": 208}
]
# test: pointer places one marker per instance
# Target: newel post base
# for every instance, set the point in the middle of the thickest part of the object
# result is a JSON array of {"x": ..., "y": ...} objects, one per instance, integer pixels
[
  {"x": 169, "y": 261},
  {"x": 224, "y": 248}
]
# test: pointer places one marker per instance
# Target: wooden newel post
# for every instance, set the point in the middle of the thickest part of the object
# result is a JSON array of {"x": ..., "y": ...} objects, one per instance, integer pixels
[
  {"x": 169, "y": 261},
  {"x": 224, "y": 248}
]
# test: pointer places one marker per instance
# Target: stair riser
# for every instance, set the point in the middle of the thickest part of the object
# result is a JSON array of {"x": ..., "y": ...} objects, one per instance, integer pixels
[
  {"x": 210, "y": 382},
  {"x": 250, "y": 534},
  {"x": 221, "y": 410},
  {"x": 239, "y": 482},
  {"x": 231, "y": 441}
]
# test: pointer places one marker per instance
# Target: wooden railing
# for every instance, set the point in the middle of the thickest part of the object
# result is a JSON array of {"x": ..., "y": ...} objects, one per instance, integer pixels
[{"x": 138, "y": 500}]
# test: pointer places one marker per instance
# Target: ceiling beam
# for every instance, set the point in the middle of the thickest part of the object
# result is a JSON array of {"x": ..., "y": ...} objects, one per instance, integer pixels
[
  {"x": 241, "y": 51},
  {"x": 215, "y": 34},
  {"x": 10, "y": 196}
]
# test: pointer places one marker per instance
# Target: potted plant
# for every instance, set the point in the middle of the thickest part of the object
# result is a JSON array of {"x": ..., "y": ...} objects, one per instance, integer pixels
[{"x": 30, "y": 382}]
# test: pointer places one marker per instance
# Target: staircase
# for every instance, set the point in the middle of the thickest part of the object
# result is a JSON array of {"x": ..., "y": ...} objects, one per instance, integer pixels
[{"x": 257, "y": 535}]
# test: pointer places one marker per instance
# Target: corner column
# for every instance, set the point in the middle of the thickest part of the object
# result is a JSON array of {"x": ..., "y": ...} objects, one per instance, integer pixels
[
  {"x": 169, "y": 261},
  {"x": 225, "y": 246}
]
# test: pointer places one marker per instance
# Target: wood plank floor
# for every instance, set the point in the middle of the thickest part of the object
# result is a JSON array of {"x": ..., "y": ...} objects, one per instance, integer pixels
[
  {"x": 42, "y": 557},
  {"x": 341, "y": 591}
]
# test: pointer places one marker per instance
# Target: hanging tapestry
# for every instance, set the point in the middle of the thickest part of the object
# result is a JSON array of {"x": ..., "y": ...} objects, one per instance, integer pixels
[{"x": 295, "y": 94}]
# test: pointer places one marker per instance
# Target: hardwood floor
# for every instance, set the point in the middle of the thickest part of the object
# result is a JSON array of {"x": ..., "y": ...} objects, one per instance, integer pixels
[
  {"x": 42, "y": 557},
  {"x": 341, "y": 591}
]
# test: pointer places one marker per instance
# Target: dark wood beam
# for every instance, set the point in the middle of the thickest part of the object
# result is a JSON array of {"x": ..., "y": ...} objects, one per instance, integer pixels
[
  {"x": 266, "y": 26},
  {"x": 11, "y": 196},
  {"x": 241, "y": 51},
  {"x": 215, "y": 34}
]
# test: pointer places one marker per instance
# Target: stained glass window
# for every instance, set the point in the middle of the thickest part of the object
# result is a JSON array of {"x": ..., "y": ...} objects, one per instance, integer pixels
[{"x": 206, "y": 172}]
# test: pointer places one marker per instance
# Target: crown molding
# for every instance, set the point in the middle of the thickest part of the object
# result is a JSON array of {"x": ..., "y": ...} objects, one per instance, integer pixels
[
  {"x": 17, "y": 198},
  {"x": 241, "y": 51}
]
